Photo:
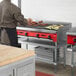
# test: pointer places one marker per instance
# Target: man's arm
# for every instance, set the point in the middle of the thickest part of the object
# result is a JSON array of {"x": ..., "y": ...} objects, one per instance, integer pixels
[{"x": 19, "y": 17}]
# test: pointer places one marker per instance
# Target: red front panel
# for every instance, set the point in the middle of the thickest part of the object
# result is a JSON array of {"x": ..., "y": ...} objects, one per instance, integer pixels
[
  {"x": 31, "y": 34},
  {"x": 48, "y": 36},
  {"x": 38, "y": 34},
  {"x": 54, "y": 37},
  {"x": 71, "y": 39},
  {"x": 21, "y": 32}
]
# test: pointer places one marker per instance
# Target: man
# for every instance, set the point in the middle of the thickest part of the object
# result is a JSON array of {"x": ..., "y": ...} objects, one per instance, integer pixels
[{"x": 10, "y": 15}]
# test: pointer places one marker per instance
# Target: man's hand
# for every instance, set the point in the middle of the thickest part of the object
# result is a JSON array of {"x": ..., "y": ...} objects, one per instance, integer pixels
[{"x": 31, "y": 22}]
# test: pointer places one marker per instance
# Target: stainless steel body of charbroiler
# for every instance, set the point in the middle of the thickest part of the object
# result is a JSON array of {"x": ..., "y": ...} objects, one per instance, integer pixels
[{"x": 61, "y": 33}]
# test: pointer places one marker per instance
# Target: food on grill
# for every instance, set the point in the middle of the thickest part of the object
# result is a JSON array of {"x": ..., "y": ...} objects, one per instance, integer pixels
[
  {"x": 34, "y": 23},
  {"x": 40, "y": 22},
  {"x": 54, "y": 27}
]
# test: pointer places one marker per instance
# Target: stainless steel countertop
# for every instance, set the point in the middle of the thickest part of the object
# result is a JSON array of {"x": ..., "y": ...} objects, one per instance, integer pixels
[{"x": 36, "y": 29}]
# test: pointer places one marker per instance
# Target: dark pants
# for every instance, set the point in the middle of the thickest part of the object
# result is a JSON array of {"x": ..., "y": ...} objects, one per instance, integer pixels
[{"x": 12, "y": 36}]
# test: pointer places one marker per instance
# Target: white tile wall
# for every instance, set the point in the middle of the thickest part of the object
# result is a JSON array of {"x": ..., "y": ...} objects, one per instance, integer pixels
[
  {"x": 53, "y": 10},
  {"x": 15, "y": 2},
  {"x": 1, "y": 0}
]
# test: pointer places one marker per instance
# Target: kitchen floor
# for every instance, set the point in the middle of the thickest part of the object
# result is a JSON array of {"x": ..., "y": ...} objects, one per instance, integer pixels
[
  {"x": 47, "y": 68},
  {"x": 61, "y": 71}
]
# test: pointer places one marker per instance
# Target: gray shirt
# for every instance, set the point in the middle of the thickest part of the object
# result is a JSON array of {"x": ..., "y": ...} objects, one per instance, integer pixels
[{"x": 10, "y": 15}]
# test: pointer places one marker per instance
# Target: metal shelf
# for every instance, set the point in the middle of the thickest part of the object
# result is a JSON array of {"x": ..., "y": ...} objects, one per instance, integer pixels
[
  {"x": 45, "y": 60},
  {"x": 39, "y": 43}
]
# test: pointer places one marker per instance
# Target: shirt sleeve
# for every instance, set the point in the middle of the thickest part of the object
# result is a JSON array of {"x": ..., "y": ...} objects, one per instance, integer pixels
[{"x": 19, "y": 17}]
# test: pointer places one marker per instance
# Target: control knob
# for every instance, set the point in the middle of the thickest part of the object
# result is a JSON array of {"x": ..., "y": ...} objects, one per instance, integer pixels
[
  {"x": 74, "y": 40},
  {"x": 26, "y": 34},
  {"x": 37, "y": 35},
  {"x": 49, "y": 37}
]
